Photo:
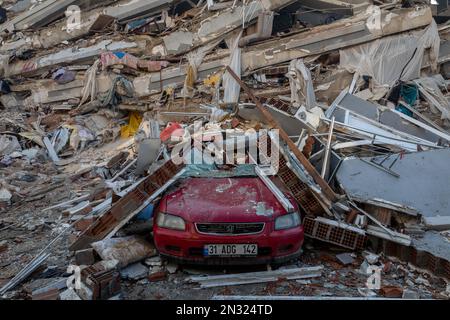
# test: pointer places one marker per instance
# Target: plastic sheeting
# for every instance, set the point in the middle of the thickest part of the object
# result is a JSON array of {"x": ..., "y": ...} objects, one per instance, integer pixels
[
  {"x": 9, "y": 144},
  {"x": 394, "y": 58},
  {"x": 212, "y": 171},
  {"x": 429, "y": 87},
  {"x": 302, "y": 89},
  {"x": 232, "y": 87}
]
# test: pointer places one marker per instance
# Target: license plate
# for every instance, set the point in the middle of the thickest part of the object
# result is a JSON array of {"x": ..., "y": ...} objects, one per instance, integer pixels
[{"x": 230, "y": 250}]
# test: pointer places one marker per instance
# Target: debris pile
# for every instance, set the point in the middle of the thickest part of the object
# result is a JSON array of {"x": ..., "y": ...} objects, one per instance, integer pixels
[{"x": 106, "y": 105}]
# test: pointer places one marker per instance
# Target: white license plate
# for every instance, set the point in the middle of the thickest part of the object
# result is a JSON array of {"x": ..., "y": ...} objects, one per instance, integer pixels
[{"x": 230, "y": 250}]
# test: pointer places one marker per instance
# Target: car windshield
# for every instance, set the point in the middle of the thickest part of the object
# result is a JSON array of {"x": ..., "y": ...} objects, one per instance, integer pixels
[{"x": 214, "y": 171}]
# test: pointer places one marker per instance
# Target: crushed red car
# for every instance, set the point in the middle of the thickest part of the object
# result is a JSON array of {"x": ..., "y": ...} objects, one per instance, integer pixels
[{"x": 227, "y": 221}]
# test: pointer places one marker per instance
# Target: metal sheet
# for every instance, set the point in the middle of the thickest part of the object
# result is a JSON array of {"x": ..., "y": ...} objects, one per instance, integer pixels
[{"x": 422, "y": 185}]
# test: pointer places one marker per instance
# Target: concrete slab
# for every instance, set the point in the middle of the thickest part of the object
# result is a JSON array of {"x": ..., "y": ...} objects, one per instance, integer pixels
[{"x": 422, "y": 185}]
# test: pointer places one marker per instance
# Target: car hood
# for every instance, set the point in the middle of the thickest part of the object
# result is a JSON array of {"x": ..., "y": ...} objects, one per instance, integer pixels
[{"x": 223, "y": 200}]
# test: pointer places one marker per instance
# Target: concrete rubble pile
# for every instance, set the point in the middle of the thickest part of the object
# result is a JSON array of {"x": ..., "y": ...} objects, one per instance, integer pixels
[{"x": 97, "y": 96}]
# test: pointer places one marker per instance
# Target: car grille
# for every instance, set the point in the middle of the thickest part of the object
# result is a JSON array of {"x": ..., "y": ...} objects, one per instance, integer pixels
[{"x": 230, "y": 228}]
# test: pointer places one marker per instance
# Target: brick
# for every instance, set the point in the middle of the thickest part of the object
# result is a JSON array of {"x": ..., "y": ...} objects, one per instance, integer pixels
[
  {"x": 101, "y": 285},
  {"x": 123, "y": 207}
]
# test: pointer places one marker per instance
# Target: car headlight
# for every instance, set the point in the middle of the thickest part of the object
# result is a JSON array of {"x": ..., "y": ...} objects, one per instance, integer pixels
[
  {"x": 288, "y": 221},
  {"x": 169, "y": 221}
]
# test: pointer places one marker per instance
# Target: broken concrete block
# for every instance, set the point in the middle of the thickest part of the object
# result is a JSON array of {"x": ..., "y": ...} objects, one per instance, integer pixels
[
  {"x": 422, "y": 281},
  {"x": 134, "y": 272},
  {"x": 8, "y": 144},
  {"x": 228, "y": 20},
  {"x": 387, "y": 267},
  {"x": 177, "y": 42},
  {"x": 83, "y": 224},
  {"x": 3, "y": 246},
  {"x": 397, "y": 192},
  {"x": 148, "y": 153},
  {"x": 172, "y": 268},
  {"x": 83, "y": 208}
]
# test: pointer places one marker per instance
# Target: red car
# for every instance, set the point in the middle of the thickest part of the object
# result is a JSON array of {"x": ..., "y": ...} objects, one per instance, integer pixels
[{"x": 227, "y": 221}]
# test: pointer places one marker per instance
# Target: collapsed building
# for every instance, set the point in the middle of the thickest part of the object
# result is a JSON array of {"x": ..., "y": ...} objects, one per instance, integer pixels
[{"x": 99, "y": 95}]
